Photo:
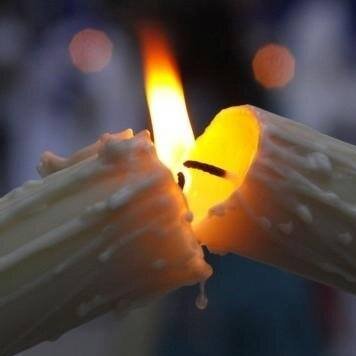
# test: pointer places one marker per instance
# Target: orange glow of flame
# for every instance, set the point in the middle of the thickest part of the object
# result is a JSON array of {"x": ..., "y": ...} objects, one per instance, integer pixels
[{"x": 173, "y": 134}]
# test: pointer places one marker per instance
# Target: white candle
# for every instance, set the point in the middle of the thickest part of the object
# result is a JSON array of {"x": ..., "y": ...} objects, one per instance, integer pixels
[
  {"x": 106, "y": 228},
  {"x": 296, "y": 206}
]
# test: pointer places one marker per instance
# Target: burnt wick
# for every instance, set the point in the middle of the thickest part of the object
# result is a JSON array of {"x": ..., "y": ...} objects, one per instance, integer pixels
[
  {"x": 205, "y": 167},
  {"x": 181, "y": 180}
]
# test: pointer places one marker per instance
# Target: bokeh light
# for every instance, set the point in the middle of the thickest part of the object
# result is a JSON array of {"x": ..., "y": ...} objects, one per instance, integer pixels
[
  {"x": 273, "y": 66},
  {"x": 90, "y": 50}
]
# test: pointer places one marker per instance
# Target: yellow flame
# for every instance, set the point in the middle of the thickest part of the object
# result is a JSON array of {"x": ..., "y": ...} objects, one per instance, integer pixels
[{"x": 173, "y": 134}]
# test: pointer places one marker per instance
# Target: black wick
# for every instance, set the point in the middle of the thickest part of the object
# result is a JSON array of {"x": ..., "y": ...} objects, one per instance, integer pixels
[
  {"x": 205, "y": 167},
  {"x": 181, "y": 180}
]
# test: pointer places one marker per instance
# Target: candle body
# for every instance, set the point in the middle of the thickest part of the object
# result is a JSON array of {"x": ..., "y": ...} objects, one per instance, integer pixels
[
  {"x": 106, "y": 228},
  {"x": 296, "y": 208}
]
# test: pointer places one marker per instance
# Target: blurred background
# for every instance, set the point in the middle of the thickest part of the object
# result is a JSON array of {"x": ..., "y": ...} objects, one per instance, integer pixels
[{"x": 71, "y": 70}]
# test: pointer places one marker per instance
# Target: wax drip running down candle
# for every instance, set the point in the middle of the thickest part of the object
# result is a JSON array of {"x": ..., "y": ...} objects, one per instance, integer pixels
[{"x": 201, "y": 301}]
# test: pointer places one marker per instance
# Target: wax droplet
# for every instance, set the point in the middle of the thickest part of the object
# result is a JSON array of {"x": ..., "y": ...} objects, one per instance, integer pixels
[
  {"x": 265, "y": 223},
  {"x": 189, "y": 217},
  {"x": 201, "y": 302},
  {"x": 319, "y": 162},
  {"x": 305, "y": 214}
]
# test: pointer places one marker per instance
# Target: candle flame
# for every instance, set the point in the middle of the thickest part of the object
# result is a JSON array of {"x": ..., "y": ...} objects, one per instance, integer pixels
[
  {"x": 173, "y": 134},
  {"x": 229, "y": 144}
]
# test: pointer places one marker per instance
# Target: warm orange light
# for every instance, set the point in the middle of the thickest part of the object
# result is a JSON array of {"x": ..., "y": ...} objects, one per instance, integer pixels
[
  {"x": 273, "y": 66},
  {"x": 230, "y": 142},
  {"x": 90, "y": 50},
  {"x": 173, "y": 134}
]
